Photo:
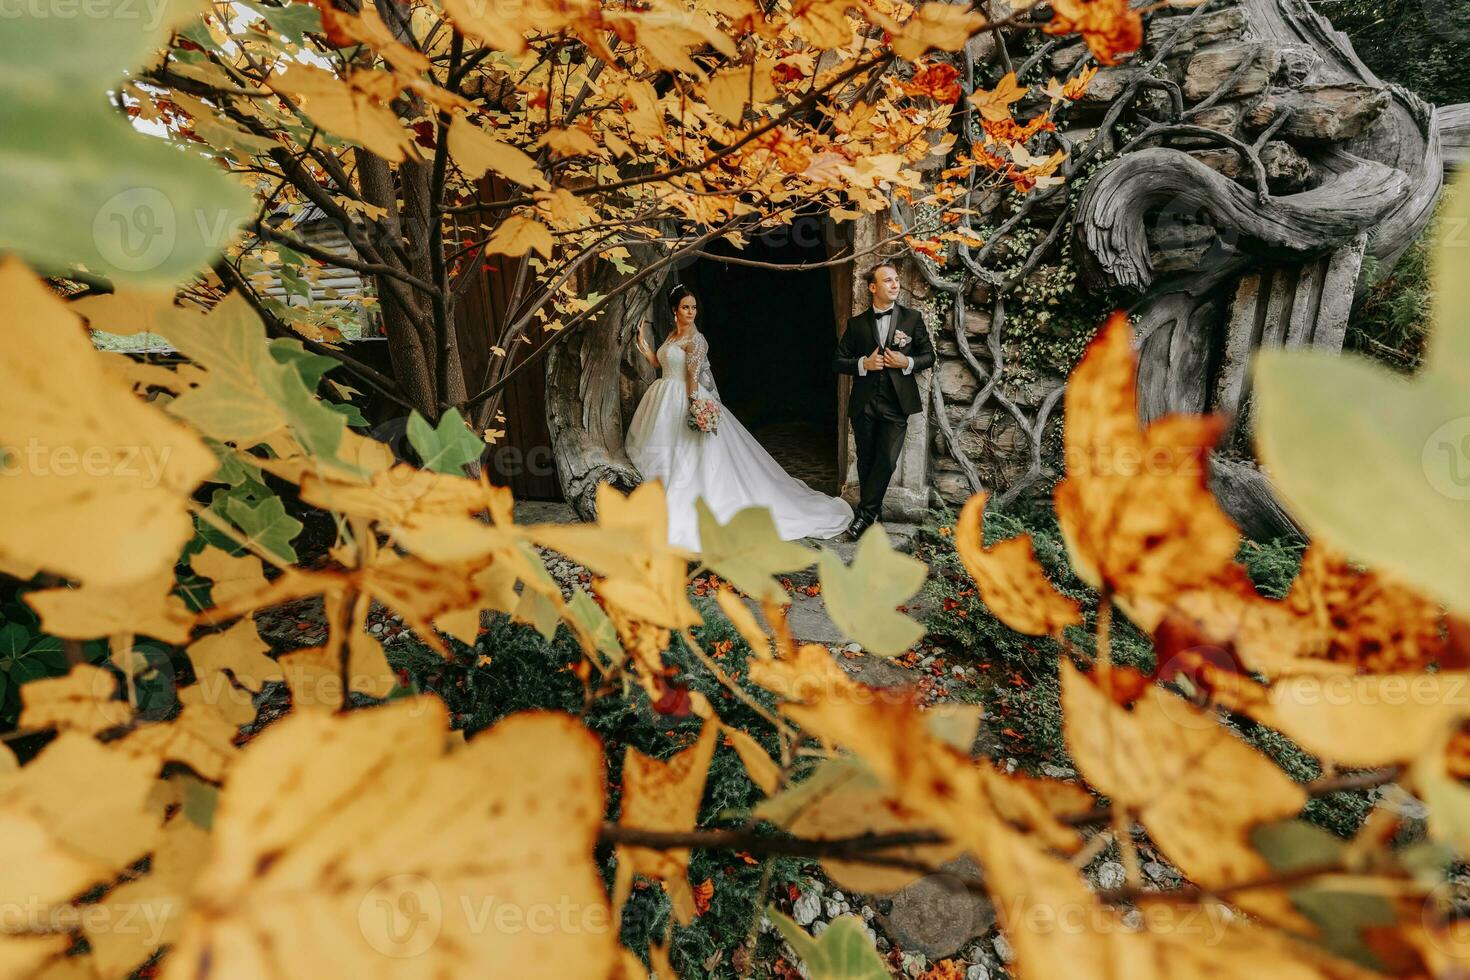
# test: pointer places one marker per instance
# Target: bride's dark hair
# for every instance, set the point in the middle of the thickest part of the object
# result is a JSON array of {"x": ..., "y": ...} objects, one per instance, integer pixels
[{"x": 677, "y": 294}]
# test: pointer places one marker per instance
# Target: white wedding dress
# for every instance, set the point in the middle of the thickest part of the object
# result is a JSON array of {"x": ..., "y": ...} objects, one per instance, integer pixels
[{"x": 729, "y": 469}]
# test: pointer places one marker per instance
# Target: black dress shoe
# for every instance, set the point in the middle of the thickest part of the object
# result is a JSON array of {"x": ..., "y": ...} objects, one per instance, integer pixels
[{"x": 855, "y": 529}]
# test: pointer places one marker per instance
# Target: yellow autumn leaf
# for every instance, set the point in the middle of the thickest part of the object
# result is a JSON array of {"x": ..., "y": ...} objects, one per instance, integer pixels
[
  {"x": 476, "y": 151},
  {"x": 1364, "y": 720},
  {"x": 946, "y": 26},
  {"x": 824, "y": 23},
  {"x": 505, "y": 28},
  {"x": 233, "y": 576},
  {"x": 663, "y": 795},
  {"x": 25, "y": 956},
  {"x": 995, "y": 104},
  {"x": 1198, "y": 788},
  {"x": 565, "y": 210},
  {"x": 398, "y": 849},
  {"x": 90, "y": 802},
  {"x": 140, "y": 915},
  {"x": 199, "y": 737},
  {"x": 131, "y": 311},
  {"x": 98, "y": 492},
  {"x": 1010, "y": 581},
  {"x": 842, "y": 798},
  {"x": 1036, "y": 894},
  {"x": 355, "y": 109},
  {"x": 237, "y": 653},
  {"x": 570, "y": 141},
  {"x": 147, "y": 607},
  {"x": 730, "y": 91},
  {"x": 518, "y": 234},
  {"x": 82, "y": 700},
  {"x": 402, "y": 494}
]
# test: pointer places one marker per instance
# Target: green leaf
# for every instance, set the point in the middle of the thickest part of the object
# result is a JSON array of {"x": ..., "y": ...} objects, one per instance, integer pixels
[
  {"x": 1288, "y": 845},
  {"x": 825, "y": 779},
  {"x": 1448, "y": 351},
  {"x": 1342, "y": 916},
  {"x": 49, "y": 651},
  {"x": 82, "y": 185},
  {"x": 589, "y": 615},
  {"x": 233, "y": 470},
  {"x": 14, "y": 639},
  {"x": 292, "y": 20},
  {"x": 200, "y": 801},
  {"x": 538, "y": 611},
  {"x": 348, "y": 411},
  {"x": 253, "y": 387},
  {"x": 748, "y": 551},
  {"x": 312, "y": 367},
  {"x": 844, "y": 952},
  {"x": 1376, "y": 463},
  {"x": 862, "y": 599},
  {"x": 267, "y": 524},
  {"x": 446, "y": 448}
]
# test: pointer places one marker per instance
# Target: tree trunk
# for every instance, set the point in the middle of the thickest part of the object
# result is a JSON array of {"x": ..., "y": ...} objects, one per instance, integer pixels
[{"x": 584, "y": 404}]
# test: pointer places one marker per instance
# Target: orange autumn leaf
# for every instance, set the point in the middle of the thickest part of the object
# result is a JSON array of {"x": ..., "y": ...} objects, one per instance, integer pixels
[
  {"x": 703, "y": 892},
  {"x": 1074, "y": 88},
  {"x": 893, "y": 739},
  {"x": 1110, "y": 27},
  {"x": 1136, "y": 509},
  {"x": 1198, "y": 788},
  {"x": 1011, "y": 582},
  {"x": 995, "y": 105},
  {"x": 939, "y": 82},
  {"x": 1359, "y": 618}
]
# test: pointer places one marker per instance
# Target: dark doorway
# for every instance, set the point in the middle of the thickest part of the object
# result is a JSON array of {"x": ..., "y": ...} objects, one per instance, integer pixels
[{"x": 771, "y": 335}]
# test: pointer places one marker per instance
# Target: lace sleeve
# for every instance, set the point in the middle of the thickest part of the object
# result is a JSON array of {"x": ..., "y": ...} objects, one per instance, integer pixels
[{"x": 697, "y": 368}]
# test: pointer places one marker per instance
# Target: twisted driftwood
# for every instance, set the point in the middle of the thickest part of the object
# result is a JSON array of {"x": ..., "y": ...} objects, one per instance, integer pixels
[{"x": 1282, "y": 269}]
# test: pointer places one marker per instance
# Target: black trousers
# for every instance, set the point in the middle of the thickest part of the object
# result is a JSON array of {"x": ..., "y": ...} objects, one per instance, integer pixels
[{"x": 878, "y": 432}]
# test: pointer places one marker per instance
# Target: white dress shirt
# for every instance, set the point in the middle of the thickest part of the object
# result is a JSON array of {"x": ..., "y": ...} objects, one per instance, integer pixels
[{"x": 884, "y": 320}]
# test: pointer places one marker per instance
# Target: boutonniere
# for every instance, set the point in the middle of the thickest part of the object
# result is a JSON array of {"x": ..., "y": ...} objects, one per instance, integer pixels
[{"x": 900, "y": 338}]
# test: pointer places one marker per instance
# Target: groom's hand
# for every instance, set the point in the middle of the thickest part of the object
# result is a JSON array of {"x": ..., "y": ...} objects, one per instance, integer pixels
[
  {"x": 893, "y": 359},
  {"x": 874, "y": 361}
]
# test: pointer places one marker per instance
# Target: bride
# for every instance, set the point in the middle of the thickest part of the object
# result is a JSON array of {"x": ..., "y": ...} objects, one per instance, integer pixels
[{"x": 727, "y": 467}]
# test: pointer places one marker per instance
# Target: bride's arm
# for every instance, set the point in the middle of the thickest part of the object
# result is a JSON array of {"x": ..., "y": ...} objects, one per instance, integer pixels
[
  {"x": 644, "y": 349},
  {"x": 698, "y": 348}
]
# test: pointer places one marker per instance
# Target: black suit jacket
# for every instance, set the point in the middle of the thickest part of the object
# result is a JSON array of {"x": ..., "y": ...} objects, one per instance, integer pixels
[{"x": 859, "y": 341}]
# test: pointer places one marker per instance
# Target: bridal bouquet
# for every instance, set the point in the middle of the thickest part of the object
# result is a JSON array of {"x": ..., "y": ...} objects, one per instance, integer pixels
[{"x": 704, "y": 415}]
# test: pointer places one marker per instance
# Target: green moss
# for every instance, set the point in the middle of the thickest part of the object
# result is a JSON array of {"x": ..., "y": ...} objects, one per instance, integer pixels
[{"x": 1392, "y": 320}]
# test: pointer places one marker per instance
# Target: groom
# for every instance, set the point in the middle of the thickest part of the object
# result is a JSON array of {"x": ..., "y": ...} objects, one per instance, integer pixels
[{"x": 884, "y": 347}]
